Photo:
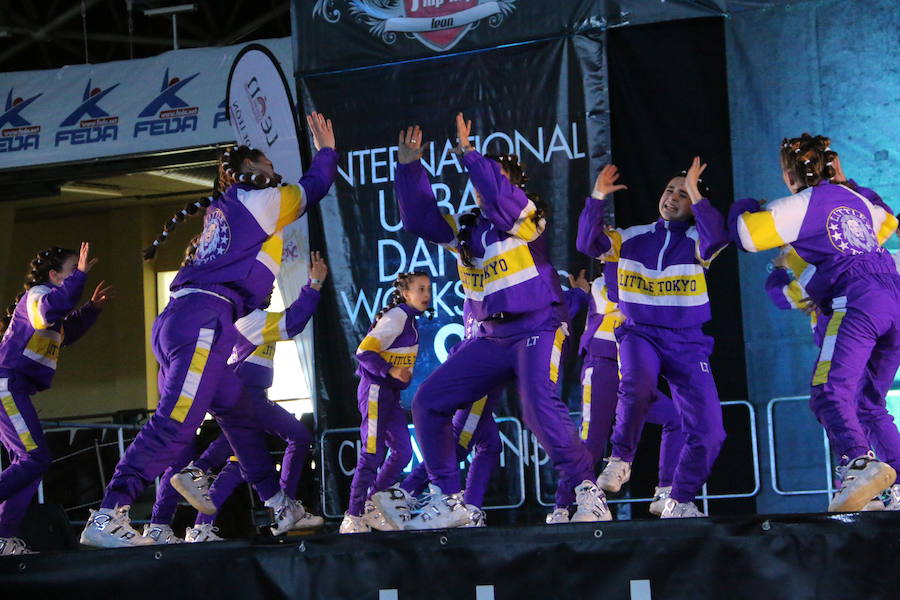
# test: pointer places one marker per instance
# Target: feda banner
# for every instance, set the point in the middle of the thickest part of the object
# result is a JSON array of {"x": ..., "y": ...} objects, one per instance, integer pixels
[
  {"x": 263, "y": 115},
  {"x": 174, "y": 100},
  {"x": 545, "y": 102}
]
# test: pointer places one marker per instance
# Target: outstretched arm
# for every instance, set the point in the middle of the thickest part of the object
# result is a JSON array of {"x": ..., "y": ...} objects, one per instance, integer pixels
[
  {"x": 418, "y": 207},
  {"x": 594, "y": 238}
]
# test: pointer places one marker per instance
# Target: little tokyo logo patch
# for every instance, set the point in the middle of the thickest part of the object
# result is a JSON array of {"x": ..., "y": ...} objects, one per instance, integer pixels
[
  {"x": 170, "y": 113},
  {"x": 89, "y": 123},
  {"x": 438, "y": 24},
  {"x": 850, "y": 232},
  {"x": 16, "y": 132},
  {"x": 215, "y": 239}
]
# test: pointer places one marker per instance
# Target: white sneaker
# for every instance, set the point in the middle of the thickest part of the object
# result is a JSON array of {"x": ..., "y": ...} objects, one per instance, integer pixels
[
  {"x": 861, "y": 479},
  {"x": 193, "y": 483},
  {"x": 659, "y": 499},
  {"x": 111, "y": 528},
  {"x": 202, "y": 532},
  {"x": 161, "y": 534},
  {"x": 591, "y": 504},
  {"x": 376, "y": 519},
  {"x": 396, "y": 506},
  {"x": 307, "y": 520},
  {"x": 558, "y": 516},
  {"x": 13, "y": 546},
  {"x": 893, "y": 494},
  {"x": 441, "y": 511},
  {"x": 353, "y": 524},
  {"x": 616, "y": 474},
  {"x": 673, "y": 509},
  {"x": 287, "y": 512},
  {"x": 477, "y": 517}
]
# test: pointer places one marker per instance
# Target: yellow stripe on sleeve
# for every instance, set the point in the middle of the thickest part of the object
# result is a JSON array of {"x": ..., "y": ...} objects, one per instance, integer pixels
[
  {"x": 370, "y": 343},
  {"x": 757, "y": 231},
  {"x": 888, "y": 227},
  {"x": 615, "y": 238},
  {"x": 291, "y": 206},
  {"x": 273, "y": 330}
]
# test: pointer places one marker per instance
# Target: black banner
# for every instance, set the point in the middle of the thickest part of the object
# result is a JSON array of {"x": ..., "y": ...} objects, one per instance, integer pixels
[
  {"x": 545, "y": 101},
  {"x": 817, "y": 556},
  {"x": 371, "y": 32}
]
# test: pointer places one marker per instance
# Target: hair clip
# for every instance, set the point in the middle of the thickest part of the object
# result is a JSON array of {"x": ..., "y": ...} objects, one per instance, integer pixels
[
  {"x": 164, "y": 234},
  {"x": 155, "y": 243},
  {"x": 828, "y": 164},
  {"x": 808, "y": 174},
  {"x": 807, "y": 161}
]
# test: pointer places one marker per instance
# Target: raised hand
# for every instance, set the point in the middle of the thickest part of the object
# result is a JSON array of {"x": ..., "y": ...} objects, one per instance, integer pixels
[
  {"x": 403, "y": 374},
  {"x": 580, "y": 282},
  {"x": 322, "y": 130},
  {"x": 102, "y": 294},
  {"x": 411, "y": 145},
  {"x": 318, "y": 269},
  {"x": 85, "y": 263},
  {"x": 463, "y": 131},
  {"x": 691, "y": 179},
  {"x": 606, "y": 182}
]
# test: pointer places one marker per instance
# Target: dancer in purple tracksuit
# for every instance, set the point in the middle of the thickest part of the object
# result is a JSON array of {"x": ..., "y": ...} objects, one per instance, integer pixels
[
  {"x": 839, "y": 231},
  {"x": 662, "y": 294},
  {"x": 252, "y": 361},
  {"x": 232, "y": 272},
  {"x": 42, "y": 318},
  {"x": 600, "y": 383},
  {"x": 476, "y": 433},
  {"x": 504, "y": 267},
  {"x": 386, "y": 358}
]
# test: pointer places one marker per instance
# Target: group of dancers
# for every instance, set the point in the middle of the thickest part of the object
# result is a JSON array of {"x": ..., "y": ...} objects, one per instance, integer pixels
[{"x": 215, "y": 343}]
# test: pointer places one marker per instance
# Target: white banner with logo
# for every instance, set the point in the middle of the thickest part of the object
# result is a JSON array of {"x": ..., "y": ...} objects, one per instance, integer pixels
[
  {"x": 174, "y": 100},
  {"x": 264, "y": 116}
]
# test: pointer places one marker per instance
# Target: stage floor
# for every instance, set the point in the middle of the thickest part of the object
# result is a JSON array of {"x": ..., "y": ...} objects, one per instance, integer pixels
[{"x": 778, "y": 556}]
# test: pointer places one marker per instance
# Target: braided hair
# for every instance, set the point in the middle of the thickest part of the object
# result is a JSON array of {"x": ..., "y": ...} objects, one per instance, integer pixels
[
  {"x": 809, "y": 159},
  {"x": 401, "y": 284},
  {"x": 38, "y": 273},
  {"x": 230, "y": 164},
  {"x": 515, "y": 171}
]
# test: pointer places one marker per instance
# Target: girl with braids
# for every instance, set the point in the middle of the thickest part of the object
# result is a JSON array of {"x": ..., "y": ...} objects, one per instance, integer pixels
[
  {"x": 513, "y": 292},
  {"x": 230, "y": 274},
  {"x": 42, "y": 318},
  {"x": 386, "y": 358},
  {"x": 838, "y": 231},
  {"x": 661, "y": 280},
  {"x": 252, "y": 361}
]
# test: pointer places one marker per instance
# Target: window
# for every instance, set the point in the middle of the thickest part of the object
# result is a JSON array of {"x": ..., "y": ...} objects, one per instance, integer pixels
[{"x": 289, "y": 388}]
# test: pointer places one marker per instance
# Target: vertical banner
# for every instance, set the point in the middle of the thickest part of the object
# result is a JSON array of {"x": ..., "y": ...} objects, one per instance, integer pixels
[
  {"x": 263, "y": 115},
  {"x": 544, "y": 101}
]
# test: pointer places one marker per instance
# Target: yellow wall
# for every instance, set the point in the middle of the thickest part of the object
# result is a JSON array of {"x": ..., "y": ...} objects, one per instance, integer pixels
[{"x": 107, "y": 370}]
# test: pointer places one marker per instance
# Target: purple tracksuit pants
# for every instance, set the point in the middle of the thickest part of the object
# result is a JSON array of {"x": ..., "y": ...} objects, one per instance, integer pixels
[
  {"x": 682, "y": 357},
  {"x": 270, "y": 418},
  {"x": 477, "y": 433},
  {"x": 22, "y": 436},
  {"x": 383, "y": 427},
  {"x": 192, "y": 340},
  {"x": 859, "y": 357},
  {"x": 482, "y": 365},
  {"x": 600, "y": 383}
]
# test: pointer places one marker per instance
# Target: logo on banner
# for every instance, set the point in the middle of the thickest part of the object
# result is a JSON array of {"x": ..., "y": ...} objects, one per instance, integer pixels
[
  {"x": 221, "y": 115},
  {"x": 215, "y": 239},
  {"x": 93, "y": 123},
  {"x": 171, "y": 114},
  {"x": 850, "y": 232},
  {"x": 16, "y": 132},
  {"x": 438, "y": 24}
]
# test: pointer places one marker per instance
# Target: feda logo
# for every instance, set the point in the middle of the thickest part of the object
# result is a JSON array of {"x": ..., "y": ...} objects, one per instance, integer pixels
[
  {"x": 172, "y": 114},
  {"x": 21, "y": 134},
  {"x": 438, "y": 24},
  {"x": 93, "y": 123}
]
